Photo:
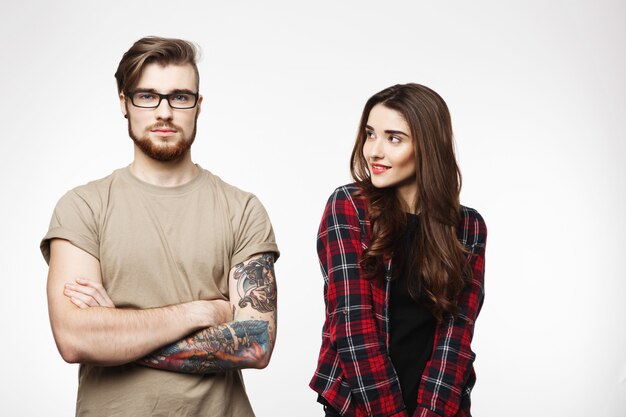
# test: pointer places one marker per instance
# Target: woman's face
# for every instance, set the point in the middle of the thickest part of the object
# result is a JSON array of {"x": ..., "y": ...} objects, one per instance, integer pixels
[{"x": 389, "y": 152}]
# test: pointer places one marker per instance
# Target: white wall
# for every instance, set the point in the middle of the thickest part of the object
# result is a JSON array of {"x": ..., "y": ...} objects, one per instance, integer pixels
[{"x": 537, "y": 91}]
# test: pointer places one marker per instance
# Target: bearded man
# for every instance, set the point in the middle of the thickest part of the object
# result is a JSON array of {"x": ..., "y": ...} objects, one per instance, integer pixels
[{"x": 142, "y": 263}]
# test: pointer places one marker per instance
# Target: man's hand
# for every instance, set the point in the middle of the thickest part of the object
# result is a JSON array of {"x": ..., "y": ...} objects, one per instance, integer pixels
[
  {"x": 85, "y": 294},
  {"x": 245, "y": 342},
  {"x": 89, "y": 330}
]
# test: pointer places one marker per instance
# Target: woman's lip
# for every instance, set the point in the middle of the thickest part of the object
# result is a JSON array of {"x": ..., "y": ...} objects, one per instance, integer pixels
[{"x": 379, "y": 169}]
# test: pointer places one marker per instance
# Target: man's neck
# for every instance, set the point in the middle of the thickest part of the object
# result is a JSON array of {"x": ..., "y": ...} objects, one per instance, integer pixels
[{"x": 163, "y": 174}]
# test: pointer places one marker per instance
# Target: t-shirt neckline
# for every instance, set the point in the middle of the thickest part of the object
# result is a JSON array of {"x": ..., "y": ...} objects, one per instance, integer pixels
[{"x": 160, "y": 190}]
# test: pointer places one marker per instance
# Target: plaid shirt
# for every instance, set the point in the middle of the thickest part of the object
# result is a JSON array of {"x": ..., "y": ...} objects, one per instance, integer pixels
[{"x": 354, "y": 372}]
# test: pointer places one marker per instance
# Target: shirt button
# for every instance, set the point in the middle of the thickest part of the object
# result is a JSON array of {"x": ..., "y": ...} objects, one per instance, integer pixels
[{"x": 345, "y": 311}]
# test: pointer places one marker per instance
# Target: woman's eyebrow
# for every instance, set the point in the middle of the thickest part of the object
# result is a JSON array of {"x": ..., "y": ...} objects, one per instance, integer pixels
[
  {"x": 389, "y": 132},
  {"x": 396, "y": 132}
]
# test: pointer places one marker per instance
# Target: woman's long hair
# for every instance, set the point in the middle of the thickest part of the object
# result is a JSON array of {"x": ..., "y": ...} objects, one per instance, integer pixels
[{"x": 437, "y": 267}]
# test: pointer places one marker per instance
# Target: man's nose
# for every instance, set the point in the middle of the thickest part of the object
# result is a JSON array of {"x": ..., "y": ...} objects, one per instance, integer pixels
[{"x": 164, "y": 110}]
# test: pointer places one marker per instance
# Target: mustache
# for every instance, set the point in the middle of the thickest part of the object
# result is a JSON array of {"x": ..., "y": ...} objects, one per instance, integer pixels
[{"x": 165, "y": 126}]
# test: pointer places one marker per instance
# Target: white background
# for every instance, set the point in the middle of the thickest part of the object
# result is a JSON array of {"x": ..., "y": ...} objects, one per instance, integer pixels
[{"x": 537, "y": 92}]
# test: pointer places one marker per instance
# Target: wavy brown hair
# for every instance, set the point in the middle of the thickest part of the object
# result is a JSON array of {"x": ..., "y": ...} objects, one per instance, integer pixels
[
  {"x": 437, "y": 267},
  {"x": 148, "y": 50}
]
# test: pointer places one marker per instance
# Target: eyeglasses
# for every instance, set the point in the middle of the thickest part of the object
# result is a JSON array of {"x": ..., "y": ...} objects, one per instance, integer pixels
[{"x": 151, "y": 100}]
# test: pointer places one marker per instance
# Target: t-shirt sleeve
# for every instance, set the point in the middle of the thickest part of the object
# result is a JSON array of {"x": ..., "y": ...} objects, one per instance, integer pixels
[
  {"x": 74, "y": 220},
  {"x": 253, "y": 232}
]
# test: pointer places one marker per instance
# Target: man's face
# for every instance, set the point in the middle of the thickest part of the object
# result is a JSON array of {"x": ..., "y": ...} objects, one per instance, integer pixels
[{"x": 163, "y": 133}]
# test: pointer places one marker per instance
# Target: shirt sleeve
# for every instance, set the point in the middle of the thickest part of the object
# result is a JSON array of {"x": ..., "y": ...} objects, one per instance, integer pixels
[
  {"x": 451, "y": 365},
  {"x": 75, "y": 220},
  {"x": 253, "y": 232},
  {"x": 365, "y": 362}
]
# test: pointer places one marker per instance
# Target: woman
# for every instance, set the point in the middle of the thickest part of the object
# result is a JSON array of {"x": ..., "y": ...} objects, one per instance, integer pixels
[{"x": 403, "y": 264}]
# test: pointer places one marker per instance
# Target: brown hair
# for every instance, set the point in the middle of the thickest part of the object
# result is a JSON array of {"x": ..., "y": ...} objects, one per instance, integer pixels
[
  {"x": 148, "y": 50},
  {"x": 437, "y": 266}
]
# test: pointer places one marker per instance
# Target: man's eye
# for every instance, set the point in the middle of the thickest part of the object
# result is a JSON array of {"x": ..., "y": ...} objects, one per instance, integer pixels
[
  {"x": 145, "y": 96},
  {"x": 181, "y": 98}
]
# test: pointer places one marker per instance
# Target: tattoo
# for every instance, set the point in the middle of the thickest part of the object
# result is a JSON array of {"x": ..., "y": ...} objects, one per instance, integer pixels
[
  {"x": 256, "y": 284},
  {"x": 234, "y": 345},
  {"x": 238, "y": 344}
]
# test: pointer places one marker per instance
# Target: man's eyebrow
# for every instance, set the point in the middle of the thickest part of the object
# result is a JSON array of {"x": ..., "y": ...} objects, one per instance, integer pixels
[
  {"x": 145, "y": 90},
  {"x": 176, "y": 91},
  {"x": 183, "y": 91}
]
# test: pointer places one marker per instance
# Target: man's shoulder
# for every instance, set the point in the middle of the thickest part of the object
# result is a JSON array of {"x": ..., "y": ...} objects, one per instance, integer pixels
[
  {"x": 98, "y": 184},
  {"x": 222, "y": 186},
  {"x": 94, "y": 190},
  {"x": 230, "y": 195}
]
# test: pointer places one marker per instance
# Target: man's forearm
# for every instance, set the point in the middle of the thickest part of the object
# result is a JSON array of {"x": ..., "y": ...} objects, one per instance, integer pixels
[
  {"x": 234, "y": 345},
  {"x": 245, "y": 342},
  {"x": 110, "y": 336}
]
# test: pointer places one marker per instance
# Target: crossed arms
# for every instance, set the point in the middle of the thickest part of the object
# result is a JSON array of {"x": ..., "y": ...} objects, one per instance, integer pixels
[{"x": 200, "y": 336}]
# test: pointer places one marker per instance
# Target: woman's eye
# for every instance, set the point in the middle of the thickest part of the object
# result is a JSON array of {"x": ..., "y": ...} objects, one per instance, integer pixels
[
  {"x": 369, "y": 134},
  {"x": 394, "y": 139}
]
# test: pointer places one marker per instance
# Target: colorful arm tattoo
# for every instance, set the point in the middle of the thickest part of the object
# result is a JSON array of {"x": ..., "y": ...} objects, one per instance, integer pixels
[
  {"x": 246, "y": 342},
  {"x": 239, "y": 344},
  {"x": 256, "y": 284}
]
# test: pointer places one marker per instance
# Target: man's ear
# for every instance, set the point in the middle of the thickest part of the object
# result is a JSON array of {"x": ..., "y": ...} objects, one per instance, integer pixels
[
  {"x": 123, "y": 105},
  {"x": 199, "y": 105}
]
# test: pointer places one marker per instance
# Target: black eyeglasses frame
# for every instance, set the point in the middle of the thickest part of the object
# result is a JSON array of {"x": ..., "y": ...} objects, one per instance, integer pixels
[{"x": 131, "y": 96}]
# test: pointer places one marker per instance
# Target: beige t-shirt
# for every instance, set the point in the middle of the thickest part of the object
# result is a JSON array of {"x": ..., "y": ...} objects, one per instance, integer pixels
[{"x": 159, "y": 246}]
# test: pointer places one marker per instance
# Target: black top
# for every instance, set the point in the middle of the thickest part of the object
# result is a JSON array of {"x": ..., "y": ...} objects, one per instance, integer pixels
[{"x": 412, "y": 327}]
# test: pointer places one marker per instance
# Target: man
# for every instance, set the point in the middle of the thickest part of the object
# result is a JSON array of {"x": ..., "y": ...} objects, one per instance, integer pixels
[{"x": 161, "y": 280}]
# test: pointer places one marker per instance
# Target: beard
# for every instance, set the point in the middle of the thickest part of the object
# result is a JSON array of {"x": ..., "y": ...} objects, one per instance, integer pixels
[{"x": 164, "y": 151}]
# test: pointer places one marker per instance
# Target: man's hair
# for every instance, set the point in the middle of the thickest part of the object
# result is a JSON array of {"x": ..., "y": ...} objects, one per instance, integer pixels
[{"x": 151, "y": 49}]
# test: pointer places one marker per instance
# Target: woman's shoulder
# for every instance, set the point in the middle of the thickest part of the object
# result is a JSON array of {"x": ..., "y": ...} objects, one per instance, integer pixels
[
  {"x": 346, "y": 191},
  {"x": 345, "y": 204},
  {"x": 471, "y": 213},
  {"x": 347, "y": 194},
  {"x": 472, "y": 230}
]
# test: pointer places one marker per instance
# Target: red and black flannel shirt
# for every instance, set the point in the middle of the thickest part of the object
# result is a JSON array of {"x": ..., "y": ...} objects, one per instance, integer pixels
[{"x": 354, "y": 372}]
